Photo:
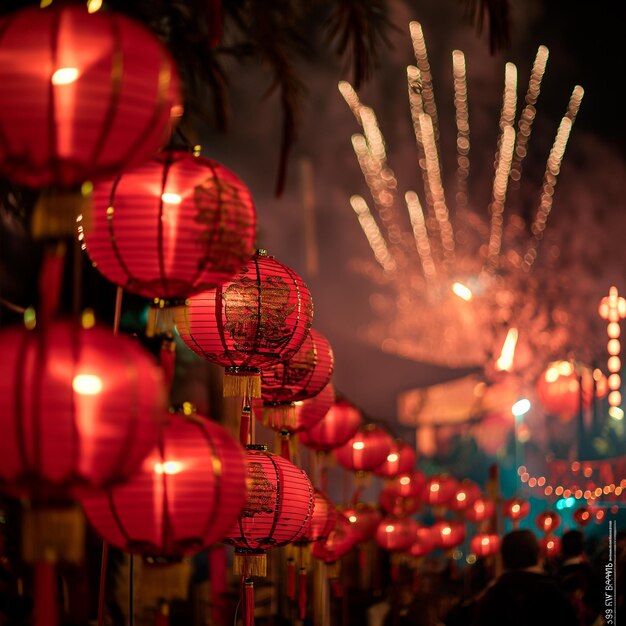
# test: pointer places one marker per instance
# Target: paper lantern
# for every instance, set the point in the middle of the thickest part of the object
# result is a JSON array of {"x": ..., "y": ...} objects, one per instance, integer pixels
[
  {"x": 189, "y": 492},
  {"x": 366, "y": 450},
  {"x": 260, "y": 317},
  {"x": 485, "y": 544},
  {"x": 448, "y": 534},
  {"x": 83, "y": 95},
  {"x": 339, "y": 424},
  {"x": 403, "y": 494},
  {"x": 339, "y": 542},
  {"x": 79, "y": 408},
  {"x": 424, "y": 542},
  {"x": 176, "y": 225},
  {"x": 322, "y": 520},
  {"x": 439, "y": 490},
  {"x": 400, "y": 460},
  {"x": 582, "y": 516},
  {"x": 364, "y": 519},
  {"x": 278, "y": 510},
  {"x": 548, "y": 521},
  {"x": 284, "y": 383},
  {"x": 550, "y": 546},
  {"x": 465, "y": 495},
  {"x": 480, "y": 510},
  {"x": 310, "y": 412},
  {"x": 396, "y": 534},
  {"x": 516, "y": 508}
]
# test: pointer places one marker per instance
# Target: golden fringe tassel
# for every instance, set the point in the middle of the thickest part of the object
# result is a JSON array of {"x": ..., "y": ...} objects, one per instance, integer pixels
[
  {"x": 160, "y": 319},
  {"x": 58, "y": 530},
  {"x": 279, "y": 416},
  {"x": 247, "y": 565},
  {"x": 163, "y": 581},
  {"x": 242, "y": 384},
  {"x": 59, "y": 213},
  {"x": 333, "y": 570}
]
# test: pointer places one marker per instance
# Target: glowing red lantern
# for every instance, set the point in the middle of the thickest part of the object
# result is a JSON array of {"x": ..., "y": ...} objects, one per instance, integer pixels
[
  {"x": 485, "y": 544},
  {"x": 84, "y": 95},
  {"x": 310, "y": 412},
  {"x": 582, "y": 516},
  {"x": 339, "y": 542},
  {"x": 548, "y": 521},
  {"x": 364, "y": 519},
  {"x": 403, "y": 494},
  {"x": 78, "y": 408},
  {"x": 260, "y": 317},
  {"x": 366, "y": 450},
  {"x": 516, "y": 508},
  {"x": 189, "y": 492},
  {"x": 176, "y": 225},
  {"x": 339, "y": 424},
  {"x": 465, "y": 495},
  {"x": 480, "y": 510},
  {"x": 550, "y": 546},
  {"x": 439, "y": 490},
  {"x": 558, "y": 388},
  {"x": 448, "y": 534},
  {"x": 396, "y": 534},
  {"x": 303, "y": 376},
  {"x": 278, "y": 510},
  {"x": 424, "y": 542},
  {"x": 400, "y": 460},
  {"x": 323, "y": 519}
]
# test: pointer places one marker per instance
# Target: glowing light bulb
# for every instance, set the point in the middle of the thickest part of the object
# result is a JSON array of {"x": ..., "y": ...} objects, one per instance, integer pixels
[
  {"x": 389, "y": 528},
  {"x": 352, "y": 518},
  {"x": 461, "y": 290},
  {"x": 358, "y": 445},
  {"x": 405, "y": 480},
  {"x": 171, "y": 198},
  {"x": 87, "y": 384},
  {"x": 64, "y": 76},
  {"x": 616, "y": 412},
  {"x": 521, "y": 407},
  {"x": 515, "y": 508},
  {"x": 169, "y": 467},
  {"x": 446, "y": 530},
  {"x": 393, "y": 457},
  {"x": 461, "y": 496}
]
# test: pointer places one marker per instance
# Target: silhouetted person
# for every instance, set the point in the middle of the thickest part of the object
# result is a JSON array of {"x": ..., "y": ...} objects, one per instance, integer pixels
[{"x": 524, "y": 595}]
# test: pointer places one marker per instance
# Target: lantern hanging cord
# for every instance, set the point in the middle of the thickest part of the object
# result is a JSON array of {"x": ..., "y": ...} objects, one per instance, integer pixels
[
  {"x": 7, "y": 304},
  {"x": 130, "y": 590}
]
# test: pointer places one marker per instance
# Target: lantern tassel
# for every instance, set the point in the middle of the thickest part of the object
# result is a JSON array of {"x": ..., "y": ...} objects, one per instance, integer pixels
[
  {"x": 291, "y": 579},
  {"x": 279, "y": 416},
  {"x": 302, "y": 597},
  {"x": 248, "y": 602},
  {"x": 241, "y": 383},
  {"x": 46, "y": 605},
  {"x": 59, "y": 213},
  {"x": 249, "y": 564}
]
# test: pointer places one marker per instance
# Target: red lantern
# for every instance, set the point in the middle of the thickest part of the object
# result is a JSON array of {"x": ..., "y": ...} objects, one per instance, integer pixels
[
  {"x": 278, "y": 510},
  {"x": 485, "y": 544},
  {"x": 465, "y": 495},
  {"x": 548, "y": 521},
  {"x": 403, "y": 494},
  {"x": 310, "y": 412},
  {"x": 582, "y": 516},
  {"x": 480, "y": 510},
  {"x": 424, "y": 542},
  {"x": 176, "y": 225},
  {"x": 400, "y": 460},
  {"x": 364, "y": 519},
  {"x": 300, "y": 378},
  {"x": 396, "y": 534},
  {"x": 516, "y": 509},
  {"x": 83, "y": 95},
  {"x": 78, "y": 408},
  {"x": 339, "y": 542},
  {"x": 439, "y": 490},
  {"x": 448, "y": 534},
  {"x": 339, "y": 424},
  {"x": 550, "y": 546},
  {"x": 323, "y": 519},
  {"x": 188, "y": 493},
  {"x": 366, "y": 450},
  {"x": 260, "y": 317}
]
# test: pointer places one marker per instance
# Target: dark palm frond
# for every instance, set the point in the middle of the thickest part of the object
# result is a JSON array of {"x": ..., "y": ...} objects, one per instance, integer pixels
[
  {"x": 357, "y": 30},
  {"x": 497, "y": 14}
]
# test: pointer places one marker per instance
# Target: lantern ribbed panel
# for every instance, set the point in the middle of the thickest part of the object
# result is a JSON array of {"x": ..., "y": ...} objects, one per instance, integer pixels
[
  {"x": 484, "y": 544},
  {"x": 480, "y": 510},
  {"x": 339, "y": 424},
  {"x": 187, "y": 495},
  {"x": 339, "y": 542},
  {"x": 366, "y": 450},
  {"x": 174, "y": 226},
  {"x": 424, "y": 542},
  {"x": 364, "y": 519},
  {"x": 301, "y": 377},
  {"x": 396, "y": 534},
  {"x": 402, "y": 460},
  {"x": 115, "y": 109},
  {"x": 310, "y": 412},
  {"x": 279, "y": 504},
  {"x": 323, "y": 519},
  {"x": 516, "y": 508},
  {"x": 439, "y": 490},
  {"x": 465, "y": 495},
  {"x": 77, "y": 407},
  {"x": 548, "y": 521},
  {"x": 259, "y": 317}
]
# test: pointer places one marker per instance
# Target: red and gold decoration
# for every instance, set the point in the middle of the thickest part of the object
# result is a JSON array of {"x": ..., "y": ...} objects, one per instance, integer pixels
[
  {"x": 484, "y": 544},
  {"x": 260, "y": 317},
  {"x": 340, "y": 423},
  {"x": 310, "y": 412},
  {"x": 400, "y": 460}
]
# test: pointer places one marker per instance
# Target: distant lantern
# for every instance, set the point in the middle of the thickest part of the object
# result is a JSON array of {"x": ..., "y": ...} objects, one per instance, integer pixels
[
  {"x": 548, "y": 521},
  {"x": 582, "y": 516},
  {"x": 310, "y": 412},
  {"x": 424, "y": 542},
  {"x": 485, "y": 544},
  {"x": 400, "y": 460},
  {"x": 339, "y": 424},
  {"x": 480, "y": 510},
  {"x": 550, "y": 546},
  {"x": 366, "y": 450},
  {"x": 465, "y": 495},
  {"x": 396, "y": 534},
  {"x": 403, "y": 494},
  {"x": 338, "y": 543},
  {"x": 364, "y": 519},
  {"x": 172, "y": 227},
  {"x": 439, "y": 490},
  {"x": 259, "y": 318},
  {"x": 448, "y": 534},
  {"x": 516, "y": 509}
]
